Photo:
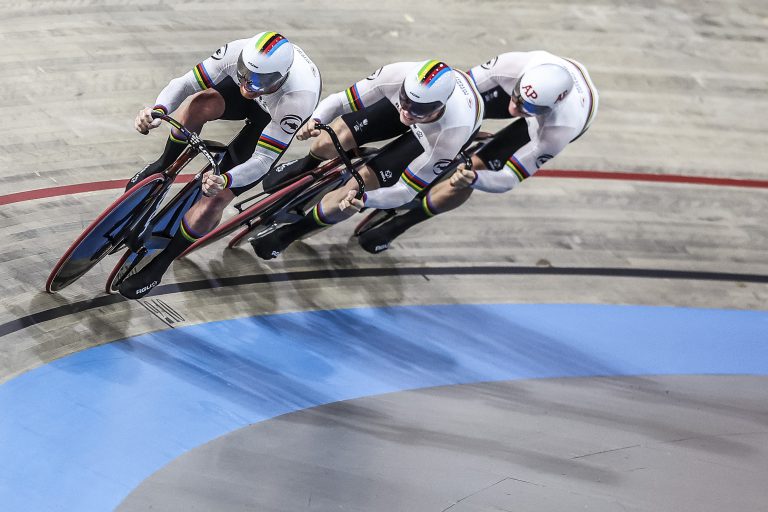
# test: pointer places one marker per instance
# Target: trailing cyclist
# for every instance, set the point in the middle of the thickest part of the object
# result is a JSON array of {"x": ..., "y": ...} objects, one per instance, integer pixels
[
  {"x": 265, "y": 79},
  {"x": 554, "y": 101},
  {"x": 433, "y": 111}
]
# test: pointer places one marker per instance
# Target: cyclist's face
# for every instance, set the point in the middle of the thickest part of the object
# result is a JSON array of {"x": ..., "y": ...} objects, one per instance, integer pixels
[
  {"x": 409, "y": 120},
  {"x": 249, "y": 95},
  {"x": 516, "y": 108}
]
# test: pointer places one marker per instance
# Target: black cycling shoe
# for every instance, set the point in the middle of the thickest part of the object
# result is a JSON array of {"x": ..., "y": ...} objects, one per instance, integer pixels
[
  {"x": 268, "y": 246},
  {"x": 282, "y": 173},
  {"x": 143, "y": 281},
  {"x": 375, "y": 240}
]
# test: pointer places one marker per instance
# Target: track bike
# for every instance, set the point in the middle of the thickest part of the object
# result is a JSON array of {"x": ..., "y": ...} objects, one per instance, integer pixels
[
  {"x": 289, "y": 202},
  {"x": 135, "y": 220},
  {"x": 292, "y": 199}
]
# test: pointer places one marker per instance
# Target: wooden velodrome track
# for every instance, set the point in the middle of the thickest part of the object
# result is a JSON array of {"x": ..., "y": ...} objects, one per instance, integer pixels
[{"x": 684, "y": 91}]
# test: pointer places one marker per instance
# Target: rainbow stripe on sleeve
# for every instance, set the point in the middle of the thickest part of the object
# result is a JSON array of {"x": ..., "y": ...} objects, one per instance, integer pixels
[
  {"x": 353, "y": 97},
  {"x": 475, "y": 94},
  {"x": 431, "y": 71},
  {"x": 413, "y": 181},
  {"x": 271, "y": 144},
  {"x": 202, "y": 77},
  {"x": 516, "y": 167}
]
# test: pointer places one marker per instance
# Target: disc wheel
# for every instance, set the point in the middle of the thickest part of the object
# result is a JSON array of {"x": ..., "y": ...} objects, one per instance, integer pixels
[{"x": 105, "y": 234}]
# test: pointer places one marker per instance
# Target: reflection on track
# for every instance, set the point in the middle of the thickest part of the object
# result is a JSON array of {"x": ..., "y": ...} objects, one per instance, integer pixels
[{"x": 206, "y": 284}]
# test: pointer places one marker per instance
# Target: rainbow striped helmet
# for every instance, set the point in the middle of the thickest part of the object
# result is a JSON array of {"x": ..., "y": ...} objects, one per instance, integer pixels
[
  {"x": 264, "y": 63},
  {"x": 426, "y": 88}
]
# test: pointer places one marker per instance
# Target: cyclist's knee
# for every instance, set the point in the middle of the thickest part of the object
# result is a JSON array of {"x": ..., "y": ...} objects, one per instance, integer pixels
[
  {"x": 477, "y": 163},
  {"x": 205, "y": 106},
  {"x": 343, "y": 133},
  {"x": 322, "y": 145},
  {"x": 369, "y": 178}
]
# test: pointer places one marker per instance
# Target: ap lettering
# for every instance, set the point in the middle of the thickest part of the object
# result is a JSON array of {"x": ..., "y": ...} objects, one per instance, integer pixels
[{"x": 530, "y": 92}]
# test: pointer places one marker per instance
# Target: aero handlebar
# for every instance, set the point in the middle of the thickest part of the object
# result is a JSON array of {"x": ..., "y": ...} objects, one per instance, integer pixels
[
  {"x": 193, "y": 139},
  {"x": 344, "y": 158}
]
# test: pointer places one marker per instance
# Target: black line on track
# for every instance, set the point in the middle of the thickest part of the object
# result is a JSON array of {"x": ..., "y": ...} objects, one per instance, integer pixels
[{"x": 223, "y": 282}]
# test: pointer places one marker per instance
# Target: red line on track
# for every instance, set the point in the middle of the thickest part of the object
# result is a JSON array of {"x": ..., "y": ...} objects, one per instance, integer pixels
[
  {"x": 661, "y": 178},
  {"x": 552, "y": 173},
  {"x": 73, "y": 189}
]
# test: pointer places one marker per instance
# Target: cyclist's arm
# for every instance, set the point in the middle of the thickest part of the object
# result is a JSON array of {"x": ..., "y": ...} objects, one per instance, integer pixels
[
  {"x": 203, "y": 76},
  {"x": 419, "y": 173},
  {"x": 501, "y": 71},
  {"x": 362, "y": 94},
  {"x": 525, "y": 161},
  {"x": 275, "y": 138}
]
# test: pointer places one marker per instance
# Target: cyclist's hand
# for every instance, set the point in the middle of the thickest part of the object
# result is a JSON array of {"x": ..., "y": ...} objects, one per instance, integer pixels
[
  {"x": 463, "y": 177},
  {"x": 144, "y": 121},
  {"x": 212, "y": 184},
  {"x": 351, "y": 204},
  {"x": 308, "y": 130}
]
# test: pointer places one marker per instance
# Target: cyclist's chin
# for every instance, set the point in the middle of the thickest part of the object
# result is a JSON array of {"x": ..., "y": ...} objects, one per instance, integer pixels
[
  {"x": 249, "y": 95},
  {"x": 406, "y": 119}
]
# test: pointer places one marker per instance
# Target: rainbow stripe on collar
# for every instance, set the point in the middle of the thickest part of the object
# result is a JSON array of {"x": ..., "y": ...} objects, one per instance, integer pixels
[{"x": 592, "y": 106}]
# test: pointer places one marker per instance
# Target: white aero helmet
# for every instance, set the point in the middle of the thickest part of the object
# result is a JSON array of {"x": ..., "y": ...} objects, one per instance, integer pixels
[
  {"x": 541, "y": 88},
  {"x": 426, "y": 88},
  {"x": 264, "y": 63}
]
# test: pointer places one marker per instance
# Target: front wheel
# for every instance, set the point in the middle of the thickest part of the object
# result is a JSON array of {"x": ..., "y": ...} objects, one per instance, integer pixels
[{"x": 105, "y": 234}]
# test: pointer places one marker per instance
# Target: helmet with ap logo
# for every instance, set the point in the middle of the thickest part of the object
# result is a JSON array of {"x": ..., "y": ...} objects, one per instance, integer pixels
[{"x": 542, "y": 87}]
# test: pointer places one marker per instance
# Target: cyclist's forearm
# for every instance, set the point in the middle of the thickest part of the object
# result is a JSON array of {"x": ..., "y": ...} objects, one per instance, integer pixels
[
  {"x": 251, "y": 170},
  {"x": 495, "y": 181},
  {"x": 389, "y": 197}
]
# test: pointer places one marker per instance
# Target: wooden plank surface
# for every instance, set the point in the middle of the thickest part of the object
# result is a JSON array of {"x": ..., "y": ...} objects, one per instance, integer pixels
[{"x": 684, "y": 90}]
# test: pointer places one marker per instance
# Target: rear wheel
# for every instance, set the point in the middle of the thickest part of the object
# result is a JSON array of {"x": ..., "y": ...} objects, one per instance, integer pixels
[
  {"x": 242, "y": 235},
  {"x": 130, "y": 263},
  {"x": 105, "y": 234},
  {"x": 373, "y": 219}
]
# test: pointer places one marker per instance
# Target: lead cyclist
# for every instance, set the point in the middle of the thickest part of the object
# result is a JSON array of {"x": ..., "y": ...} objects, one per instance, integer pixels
[
  {"x": 265, "y": 79},
  {"x": 433, "y": 111},
  {"x": 554, "y": 102}
]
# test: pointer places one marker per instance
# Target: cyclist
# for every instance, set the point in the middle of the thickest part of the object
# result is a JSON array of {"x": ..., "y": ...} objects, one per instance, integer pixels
[
  {"x": 265, "y": 79},
  {"x": 433, "y": 111},
  {"x": 554, "y": 101}
]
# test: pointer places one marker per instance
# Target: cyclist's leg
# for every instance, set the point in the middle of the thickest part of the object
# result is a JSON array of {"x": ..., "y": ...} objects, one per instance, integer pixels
[
  {"x": 206, "y": 213},
  {"x": 443, "y": 197},
  {"x": 202, "y": 107},
  {"x": 378, "y": 122},
  {"x": 272, "y": 244},
  {"x": 382, "y": 171}
]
